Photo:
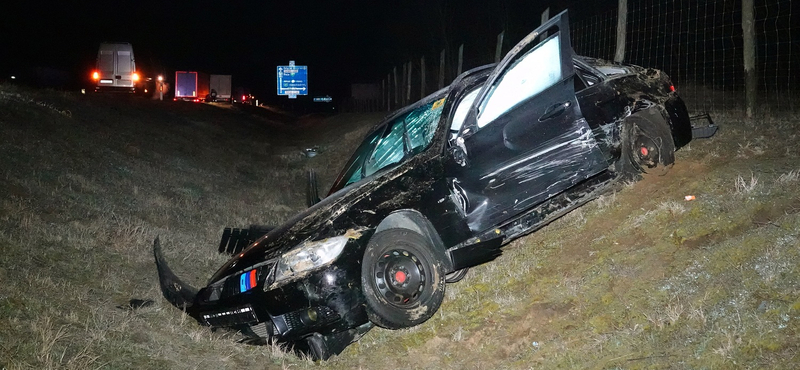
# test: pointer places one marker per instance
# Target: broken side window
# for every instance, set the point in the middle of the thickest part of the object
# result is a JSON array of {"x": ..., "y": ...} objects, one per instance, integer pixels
[
  {"x": 587, "y": 76},
  {"x": 579, "y": 83}
]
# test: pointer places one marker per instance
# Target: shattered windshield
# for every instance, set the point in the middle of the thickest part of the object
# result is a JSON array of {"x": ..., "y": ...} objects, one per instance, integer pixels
[
  {"x": 390, "y": 149},
  {"x": 403, "y": 137}
]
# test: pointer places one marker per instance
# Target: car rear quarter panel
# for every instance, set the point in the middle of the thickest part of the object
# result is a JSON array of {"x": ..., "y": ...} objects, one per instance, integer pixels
[{"x": 606, "y": 105}]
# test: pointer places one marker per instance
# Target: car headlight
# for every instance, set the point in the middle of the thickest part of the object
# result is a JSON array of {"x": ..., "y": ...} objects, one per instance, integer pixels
[{"x": 308, "y": 256}]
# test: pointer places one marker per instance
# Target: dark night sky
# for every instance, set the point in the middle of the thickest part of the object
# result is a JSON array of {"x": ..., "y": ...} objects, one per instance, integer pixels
[{"x": 340, "y": 41}]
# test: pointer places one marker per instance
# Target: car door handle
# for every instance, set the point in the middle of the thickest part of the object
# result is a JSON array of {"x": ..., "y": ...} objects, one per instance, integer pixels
[{"x": 555, "y": 111}]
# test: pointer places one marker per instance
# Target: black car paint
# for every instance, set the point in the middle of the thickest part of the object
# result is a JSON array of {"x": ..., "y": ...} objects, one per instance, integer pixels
[
  {"x": 421, "y": 193},
  {"x": 547, "y": 145}
]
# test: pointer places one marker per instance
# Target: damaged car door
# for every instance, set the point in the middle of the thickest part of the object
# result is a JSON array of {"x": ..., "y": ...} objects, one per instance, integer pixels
[{"x": 524, "y": 138}]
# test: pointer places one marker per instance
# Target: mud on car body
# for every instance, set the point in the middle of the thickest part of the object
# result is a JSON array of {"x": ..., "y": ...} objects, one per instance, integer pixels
[{"x": 438, "y": 187}]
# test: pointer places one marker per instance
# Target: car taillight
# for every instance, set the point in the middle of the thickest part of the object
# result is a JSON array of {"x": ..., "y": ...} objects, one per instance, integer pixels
[
  {"x": 672, "y": 88},
  {"x": 135, "y": 76},
  {"x": 95, "y": 75}
]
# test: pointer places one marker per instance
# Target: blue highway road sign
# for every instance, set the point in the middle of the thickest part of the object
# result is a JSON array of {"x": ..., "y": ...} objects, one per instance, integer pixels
[{"x": 292, "y": 80}]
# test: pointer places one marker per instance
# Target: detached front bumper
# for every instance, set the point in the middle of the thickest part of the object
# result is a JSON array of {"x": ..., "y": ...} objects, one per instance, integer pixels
[{"x": 679, "y": 121}]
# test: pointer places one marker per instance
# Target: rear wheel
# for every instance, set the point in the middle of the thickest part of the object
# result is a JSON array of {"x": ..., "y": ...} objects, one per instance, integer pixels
[
  {"x": 647, "y": 144},
  {"x": 402, "y": 277}
]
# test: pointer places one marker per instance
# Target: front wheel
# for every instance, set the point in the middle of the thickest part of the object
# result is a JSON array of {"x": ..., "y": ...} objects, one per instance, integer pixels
[{"x": 402, "y": 277}]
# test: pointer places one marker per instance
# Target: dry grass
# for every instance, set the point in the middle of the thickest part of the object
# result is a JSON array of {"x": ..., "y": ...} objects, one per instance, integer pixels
[{"x": 637, "y": 279}]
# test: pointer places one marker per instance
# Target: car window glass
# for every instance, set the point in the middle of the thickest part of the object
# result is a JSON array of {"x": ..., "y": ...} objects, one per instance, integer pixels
[
  {"x": 106, "y": 62},
  {"x": 579, "y": 84},
  {"x": 123, "y": 62},
  {"x": 611, "y": 70},
  {"x": 389, "y": 150},
  {"x": 387, "y": 145},
  {"x": 353, "y": 170},
  {"x": 421, "y": 125},
  {"x": 462, "y": 109},
  {"x": 590, "y": 78},
  {"x": 534, "y": 72}
]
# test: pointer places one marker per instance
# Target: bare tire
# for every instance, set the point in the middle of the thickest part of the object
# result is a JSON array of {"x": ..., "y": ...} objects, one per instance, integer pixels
[
  {"x": 647, "y": 144},
  {"x": 402, "y": 277}
]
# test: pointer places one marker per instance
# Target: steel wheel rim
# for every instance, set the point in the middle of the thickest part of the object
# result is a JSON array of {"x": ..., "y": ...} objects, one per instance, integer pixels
[
  {"x": 645, "y": 150},
  {"x": 399, "y": 278}
]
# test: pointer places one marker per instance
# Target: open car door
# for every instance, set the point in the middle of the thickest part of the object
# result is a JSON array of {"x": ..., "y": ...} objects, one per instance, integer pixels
[{"x": 524, "y": 138}]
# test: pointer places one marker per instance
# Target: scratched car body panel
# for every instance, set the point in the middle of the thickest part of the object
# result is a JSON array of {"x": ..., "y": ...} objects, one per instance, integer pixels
[{"x": 441, "y": 186}]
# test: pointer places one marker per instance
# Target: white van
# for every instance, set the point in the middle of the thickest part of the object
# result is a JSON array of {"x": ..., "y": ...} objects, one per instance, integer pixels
[{"x": 116, "y": 69}]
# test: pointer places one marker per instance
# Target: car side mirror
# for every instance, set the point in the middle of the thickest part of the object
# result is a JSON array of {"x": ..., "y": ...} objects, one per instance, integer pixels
[{"x": 459, "y": 152}]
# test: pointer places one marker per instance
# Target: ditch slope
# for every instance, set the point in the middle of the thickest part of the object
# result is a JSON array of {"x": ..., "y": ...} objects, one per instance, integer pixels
[{"x": 638, "y": 279}]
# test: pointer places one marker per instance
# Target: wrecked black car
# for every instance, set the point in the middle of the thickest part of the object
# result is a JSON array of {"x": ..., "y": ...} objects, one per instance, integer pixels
[{"x": 438, "y": 187}]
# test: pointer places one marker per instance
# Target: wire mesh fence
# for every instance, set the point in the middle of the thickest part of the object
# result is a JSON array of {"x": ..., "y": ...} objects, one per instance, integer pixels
[
  {"x": 596, "y": 36},
  {"x": 777, "y": 29},
  {"x": 699, "y": 43}
]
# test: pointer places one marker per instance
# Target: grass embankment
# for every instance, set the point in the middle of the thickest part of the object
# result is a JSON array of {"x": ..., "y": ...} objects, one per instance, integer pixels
[{"x": 637, "y": 279}]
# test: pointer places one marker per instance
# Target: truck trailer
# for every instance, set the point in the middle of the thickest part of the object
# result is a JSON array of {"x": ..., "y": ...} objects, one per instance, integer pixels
[
  {"x": 220, "y": 88},
  {"x": 191, "y": 86}
]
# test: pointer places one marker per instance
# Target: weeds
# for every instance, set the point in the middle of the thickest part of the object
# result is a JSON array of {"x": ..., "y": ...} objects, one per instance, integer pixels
[
  {"x": 728, "y": 345},
  {"x": 674, "y": 312},
  {"x": 743, "y": 187},
  {"x": 790, "y": 177},
  {"x": 606, "y": 201}
]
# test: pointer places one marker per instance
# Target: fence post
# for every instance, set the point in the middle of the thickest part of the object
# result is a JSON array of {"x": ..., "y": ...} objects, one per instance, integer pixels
[
  {"x": 460, "y": 59},
  {"x": 396, "y": 95},
  {"x": 748, "y": 33},
  {"x": 389, "y": 92},
  {"x": 422, "y": 77},
  {"x": 408, "y": 82},
  {"x": 441, "y": 70},
  {"x": 403, "y": 85},
  {"x": 545, "y": 18},
  {"x": 622, "y": 30},
  {"x": 498, "y": 51}
]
